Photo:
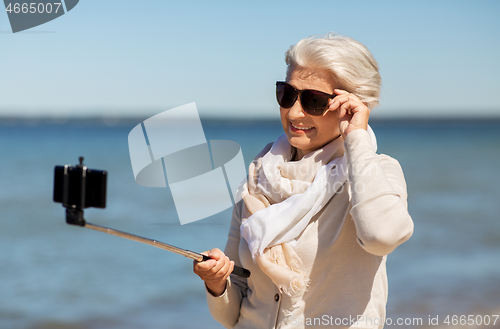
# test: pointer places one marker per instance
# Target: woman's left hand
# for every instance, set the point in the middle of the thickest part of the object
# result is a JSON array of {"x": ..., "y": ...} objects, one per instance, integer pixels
[{"x": 353, "y": 113}]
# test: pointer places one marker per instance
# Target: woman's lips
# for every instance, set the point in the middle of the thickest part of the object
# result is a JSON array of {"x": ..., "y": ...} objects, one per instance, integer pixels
[{"x": 300, "y": 129}]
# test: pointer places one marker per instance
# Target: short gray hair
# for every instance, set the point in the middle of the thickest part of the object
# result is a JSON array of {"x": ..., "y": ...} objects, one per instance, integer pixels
[{"x": 349, "y": 62}]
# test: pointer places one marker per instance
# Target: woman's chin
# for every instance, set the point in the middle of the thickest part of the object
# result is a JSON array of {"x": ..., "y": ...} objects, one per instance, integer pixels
[{"x": 299, "y": 142}]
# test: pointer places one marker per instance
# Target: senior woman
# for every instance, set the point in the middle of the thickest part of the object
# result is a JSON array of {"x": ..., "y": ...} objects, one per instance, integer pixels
[{"x": 320, "y": 209}]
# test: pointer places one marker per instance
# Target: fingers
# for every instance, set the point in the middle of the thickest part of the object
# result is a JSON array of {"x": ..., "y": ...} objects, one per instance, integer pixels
[
  {"x": 346, "y": 101},
  {"x": 215, "y": 253},
  {"x": 341, "y": 92},
  {"x": 349, "y": 107},
  {"x": 217, "y": 268},
  {"x": 205, "y": 266},
  {"x": 214, "y": 271},
  {"x": 352, "y": 112}
]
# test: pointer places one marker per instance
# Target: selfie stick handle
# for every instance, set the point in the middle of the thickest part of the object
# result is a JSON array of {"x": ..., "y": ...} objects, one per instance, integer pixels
[{"x": 242, "y": 272}]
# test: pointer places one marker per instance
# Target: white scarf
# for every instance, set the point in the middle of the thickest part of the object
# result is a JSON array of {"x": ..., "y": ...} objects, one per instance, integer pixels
[{"x": 282, "y": 196}]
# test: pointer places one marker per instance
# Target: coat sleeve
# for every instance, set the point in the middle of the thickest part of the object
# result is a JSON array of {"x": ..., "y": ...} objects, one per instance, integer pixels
[
  {"x": 225, "y": 309},
  {"x": 379, "y": 206}
]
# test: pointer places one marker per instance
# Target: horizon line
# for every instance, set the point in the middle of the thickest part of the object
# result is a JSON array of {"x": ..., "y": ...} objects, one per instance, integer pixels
[{"x": 125, "y": 120}]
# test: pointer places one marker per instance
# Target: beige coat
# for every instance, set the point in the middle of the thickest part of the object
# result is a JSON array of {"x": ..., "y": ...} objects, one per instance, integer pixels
[{"x": 343, "y": 250}]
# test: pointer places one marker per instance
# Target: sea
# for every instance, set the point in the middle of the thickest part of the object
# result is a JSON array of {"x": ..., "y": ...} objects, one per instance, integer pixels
[{"x": 59, "y": 276}]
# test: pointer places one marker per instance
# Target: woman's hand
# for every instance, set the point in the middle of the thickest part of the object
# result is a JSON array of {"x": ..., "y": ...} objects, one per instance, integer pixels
[
  {"x": 214, "y": 271},
  {"x": 353, "y": 114}
]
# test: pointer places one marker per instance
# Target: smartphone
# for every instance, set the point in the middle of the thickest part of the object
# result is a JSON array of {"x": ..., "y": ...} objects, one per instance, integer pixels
[{"x": 83, "y": 190}]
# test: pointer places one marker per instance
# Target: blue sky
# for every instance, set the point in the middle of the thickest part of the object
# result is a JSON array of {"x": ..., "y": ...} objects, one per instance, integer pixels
[{"x": 122, "y": 57}]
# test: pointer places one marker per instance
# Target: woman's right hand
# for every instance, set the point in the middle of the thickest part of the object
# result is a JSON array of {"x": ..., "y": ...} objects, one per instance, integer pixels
[{"x": 214, "y": 271}]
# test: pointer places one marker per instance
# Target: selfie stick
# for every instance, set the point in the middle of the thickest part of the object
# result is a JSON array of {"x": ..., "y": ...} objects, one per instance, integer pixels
[
  {"x": 78, "y": 187},
  {"x": 75, "y": 217}
]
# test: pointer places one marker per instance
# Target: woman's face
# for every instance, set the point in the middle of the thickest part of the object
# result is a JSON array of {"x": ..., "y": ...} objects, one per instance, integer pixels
[{"x": 305, "y": 132}]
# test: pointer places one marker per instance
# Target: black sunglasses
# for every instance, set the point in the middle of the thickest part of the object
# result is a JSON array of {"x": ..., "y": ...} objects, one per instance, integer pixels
[{"x": 313, "y": 102}]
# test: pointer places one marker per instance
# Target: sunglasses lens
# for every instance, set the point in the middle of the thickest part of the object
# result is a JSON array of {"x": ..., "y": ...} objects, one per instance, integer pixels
[
  {"x": 285, "y": 95},
  {"x": 314, "y": 102}
]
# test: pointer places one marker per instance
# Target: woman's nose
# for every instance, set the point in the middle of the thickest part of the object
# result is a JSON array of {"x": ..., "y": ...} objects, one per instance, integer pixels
[{"x": 296, "y": 111}]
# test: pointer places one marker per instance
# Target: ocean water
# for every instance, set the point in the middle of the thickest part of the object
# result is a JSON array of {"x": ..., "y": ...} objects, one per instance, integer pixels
[{"x": 53, "y": 275}]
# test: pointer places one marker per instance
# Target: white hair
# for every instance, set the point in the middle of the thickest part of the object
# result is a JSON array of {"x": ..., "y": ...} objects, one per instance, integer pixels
[{"x": 349, "y": 62}]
